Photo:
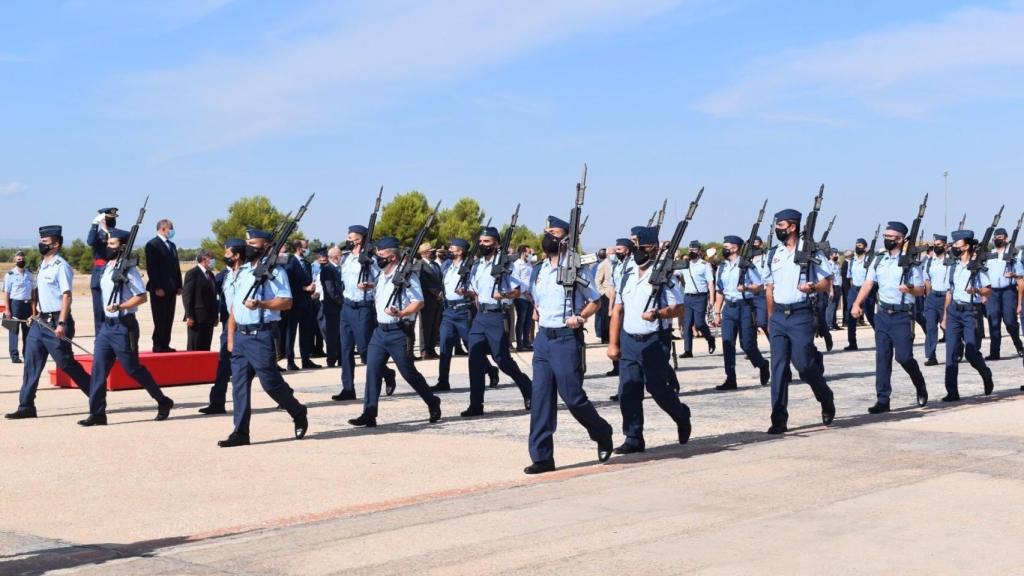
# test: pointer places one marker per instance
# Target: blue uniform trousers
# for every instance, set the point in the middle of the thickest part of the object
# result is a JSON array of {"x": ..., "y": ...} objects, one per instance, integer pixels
[
  {"x": 219, "y": 391},
  {"x": 329, "y": 320},
  {"x": 388, "y": 341},
  {"x": 1001, "y": 308},
  {"x": 255, "y": 355},
  {"x": 644, "y": 364},
  {"x": 20, "y": 309},
  {"x": 738, "y": 319},
  {"x": 893, "y": 337},
  {"x": 696, "y": 306},
  {"x": 120, "y": 340},
  {"x": 40, "y": 343},
  {"x": 760, "y": 310},
  {"x": 488, "y": 336},
  {"x": 97, "y": 297},
  {"x": 934, "y": 303},
  {"x": 830, "y": 311},
  {"x": 557, "y": 370},
  {"x": 357, "y": 324},
  {"x": 792, "y": 340},
  {"x": 868, "y": 306},
  {"x": 454, "y": 327},
  {"x": 961, "y": 325}
]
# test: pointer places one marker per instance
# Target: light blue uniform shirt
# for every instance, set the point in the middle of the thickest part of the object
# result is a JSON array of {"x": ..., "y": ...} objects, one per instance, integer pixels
[
  {"x": 936, "y": 272},
  {"x": 52, "y": 281},
  {"x": 235, "y": 291},
  {"x": 481, "y": 281},
  {"x": 960, "y": 278},
  {"x": 729, "y": 278},
  {"x": 785, "y": 278},
  {"x": 620, "y": 269},
  {"x": 887, "y": 273},
  {"x": 451, "y": 283},
  {"x": 997, "y": 268},
  {"x": 521, "y": 272},
  {"x": 411, "y": 293},
  {"x": 132, "y": 288},
  {"x": 19, "y": 285},
  {"x": 350, "y": 269},
  {"x": 698, "y": 277},
  {"x": 634, "y": 296},
  {"x": 857, "y": 271},
  {"x": 549, "y": 297}
]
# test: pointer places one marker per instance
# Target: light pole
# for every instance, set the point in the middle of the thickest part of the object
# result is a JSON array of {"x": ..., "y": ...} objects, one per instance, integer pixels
[{"x": 945, "y": 215}]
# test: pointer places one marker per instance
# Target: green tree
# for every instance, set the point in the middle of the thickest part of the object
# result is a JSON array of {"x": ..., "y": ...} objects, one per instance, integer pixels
[
  {"x": 403, "y": 217},
  {"x": 523, "y": 235},
  {"x": 255, "y": 211},
  {"x": 463, "y": 220}
]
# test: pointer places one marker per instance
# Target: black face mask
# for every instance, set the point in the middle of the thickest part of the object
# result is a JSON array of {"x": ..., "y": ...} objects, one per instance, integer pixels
[
  {"x": 486, "y": 250},
  {"x": 347, "y": 246},
  {"x": 726, "y": 252},
  {"x": 999, "y": 242},
  {"x": 860, "y": 251},
  {"x": 383, "y": 261},
  {"x": 20, "y": 264},
  {"x": 891, "y": 244},
  {"x": 44, "y": 249},
  {"x": 939, "y": 250},
  {"x": 694, "y": 255},
  {"x": 956, "y": 251},
  {"x": 550, "y": 244},
  {"x": 252, "y": 253},
  {"x": 111, "y": 223},
  {"x": 229, "y": 262},
  {"x": 641, "y": 257},
  {"x": 112, "y": 253},
  {"x": 782, "y": 234}
]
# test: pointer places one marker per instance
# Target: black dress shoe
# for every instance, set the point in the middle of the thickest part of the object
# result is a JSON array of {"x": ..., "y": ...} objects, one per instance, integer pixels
[
  {"x": 850, "y": 348},
  {"x": 684, "y": 429},
  {"x": 922, "y": 397},
  {"x": 280, "y": 369},
  {"x": 527, "y": 402},
  {"x": 711, "y": 345},
  {"x": 389, "y": 382},
  {"x": 235, "y": 439},
  {"x": 604, "y": 449},
  {"x": 989, "y": 385},
  {"x": 301, "y": 426},
  {"x": 991, "y": 357},
  {"x": 331, "y": 364},
  {"x": 942, "y": 340},
  {"x": 293, "y": 367},
  {"x": 364, "y": 420},
  {"x": 492, "y": 374},
  {"x": 540, "y": 467},
  {"x": 311, "y": 366},
  {"x": 686, "y": 355},
  {"x": 727, "y": 385},
  {"x": 435, "y": 413},
  {"x": 931, "y": 362},
  {"x": 441, "y": 387},
  {"x": 15, "y": 360},
  {"x": 164, "y": 409},
  {"x": 211, "y": 409},
  {"x": 430, "y": 356},
  {"x": 951, "y": 398},
  {"x": 614, "y": 397},
  {"x": 777, "y": 429},
  {"x": 21, "y": 414},
  {"x": 766, "y": 375},
  {"x": 472, "y": 411},
  {"x": 627, "y": 448},
  {"x": 879, "y": 408},
  {"x": 828, "y": 414},
  {"x": 344, "y": 395},
  {"x": 828, "y": 342},
  {"x": 94, "y": 420},
  {"x": 611, "y": 373},
  {"x": 1020, "y": 352}
]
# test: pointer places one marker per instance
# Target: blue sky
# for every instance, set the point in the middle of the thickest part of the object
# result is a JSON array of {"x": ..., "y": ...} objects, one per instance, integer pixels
[{"x": 198, "y": 102}]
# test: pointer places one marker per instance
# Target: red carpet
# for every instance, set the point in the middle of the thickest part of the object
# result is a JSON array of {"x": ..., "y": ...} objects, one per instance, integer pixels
[{"x": 170, "y": 369}]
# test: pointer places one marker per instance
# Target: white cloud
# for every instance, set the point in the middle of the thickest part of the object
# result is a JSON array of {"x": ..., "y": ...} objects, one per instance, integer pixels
[
  {"x": 352, "y": 56},
  {"x": 11, "y": 188},
  {"x": 911, "y": 71}
]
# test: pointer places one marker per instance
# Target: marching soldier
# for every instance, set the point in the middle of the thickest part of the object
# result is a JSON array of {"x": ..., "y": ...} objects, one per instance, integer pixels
[
  {"x": 1001, "y": 306},
  {"x": 99, "y": 233},
  {"x": 19, "y": 283},
  {"x": 858, "y": 273},
  {"x": 894, "y": 319},
  {"x": 388, "y": 339},
  {"x": 251, "y": 327},
  {"x": 357, "y": 314},
  {"x": 699, "y": 287},
  {"x": 635, "y": 341},
  {"x": 487, "y": 334},
  {"x": 234, "y": 257},
  {"x": 960, "y": 319},
  {"x": 119, "y": 337},
  {"x": 53, "y": 304},
  {"x": 792, "y": 322},
  {"x": 557, "y": 365},
  {"x": 936, "y": 282},
  {"x": 735, "y": 314}
]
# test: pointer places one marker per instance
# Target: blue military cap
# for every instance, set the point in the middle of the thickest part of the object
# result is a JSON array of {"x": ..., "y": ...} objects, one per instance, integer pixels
[
  {"x": 861, "y": 241},
  {"x": 758, "y": 239},
  {"x": 121, "y": 235},
  {"x": 896, "y": 226},
  {"x": 999, "y": 232},
  {"x": 788, "y": 215},
  {"x": 556, "y": 222},
  {"x": 257, "y": 234},
  {"x": 387, "y": 243},
  {"x": 358, "y": 229},
  {"x": 234, "y": 243},
  {"x": 626, "y": 242},
  {"x": 459, "y": 243},
  {"x": 635, "y": 230},
  {"x": 111, "y": 211},
  {"x": 47, "y": 231},
  {"x": 493, "y": 232},
  {"x": 647, "y": 236},
  {"x": 941, "y": 237},
  {"x": 963, "y": 235},
  {"x": 733, "y": 240},
  {"x": 694, "y": 243}
]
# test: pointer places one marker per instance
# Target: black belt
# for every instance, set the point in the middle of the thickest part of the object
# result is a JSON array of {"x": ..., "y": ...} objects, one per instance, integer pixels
[
  {"x": 391, "y": 326},
  {"x": 788, "y": 309},
  {"x": 50, "y": 317},
  {"x": 1003, "y": 289},
  {"x": 938, "y": 293},
  {"x": 354, "y": 304},
  {"x": 735, "y": 303},
  {"x": 695, "y": 294},
  {"x": 558, "y": 332},
  {"x": 457, "y": 305},
  {"x": 963, "y": 306},
  {"x": 250, "y": 329},
  {"x": 642, "y": 337},
  {"x": 116, "y": 321},
  {"x": 895, "y": 308},
  {"x": 491, "y": 308}
]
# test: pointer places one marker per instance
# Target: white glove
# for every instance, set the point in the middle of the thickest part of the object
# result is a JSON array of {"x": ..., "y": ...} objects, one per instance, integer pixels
[{"x": 101, "y": 220}]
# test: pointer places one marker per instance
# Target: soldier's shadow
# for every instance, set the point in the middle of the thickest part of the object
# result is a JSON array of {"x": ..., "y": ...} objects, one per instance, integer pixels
[{"x": 46, "y": 560}]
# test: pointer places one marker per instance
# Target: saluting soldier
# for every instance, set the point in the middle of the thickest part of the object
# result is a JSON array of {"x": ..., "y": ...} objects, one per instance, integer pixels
[
  {"x": 53, "y": 304},
  {"x": 388, "y": 339},
  {"x": 252, "y": 322},
  {"x": 119, "y": 337},
  {"x": 791, "y": 321},
  {"x": 735, "y": 313},
  {"x": 960, "y": 318},
  {"x": 699, "y": 288},
  {"x": 1001, "y": 305},
  {"x": 936, "y": 282},
  {"x": 895, "y": 317},
  {"x": 99, "y": 233},
  {"x": 557, "y": 365},
  {"x": 19, "y": 282},
  {"x": 636, "y": 343}
]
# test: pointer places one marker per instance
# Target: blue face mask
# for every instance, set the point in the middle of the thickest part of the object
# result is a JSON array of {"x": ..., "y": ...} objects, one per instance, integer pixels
[{"x": 170, "y": 234}]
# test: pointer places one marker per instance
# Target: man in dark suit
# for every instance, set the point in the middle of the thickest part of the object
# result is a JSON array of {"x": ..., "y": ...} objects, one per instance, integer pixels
[
  {"x": 164, "y": 284},
  {"x": 199, "y": 297},
  {"x": 433, "y": 299},
  {"x": 300, "y": 317},
  {"x": 328, "y": 286}
]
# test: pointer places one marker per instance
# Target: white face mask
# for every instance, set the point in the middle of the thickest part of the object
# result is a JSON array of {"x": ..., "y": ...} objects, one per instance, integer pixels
[{"x": 533, "y": 258}]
